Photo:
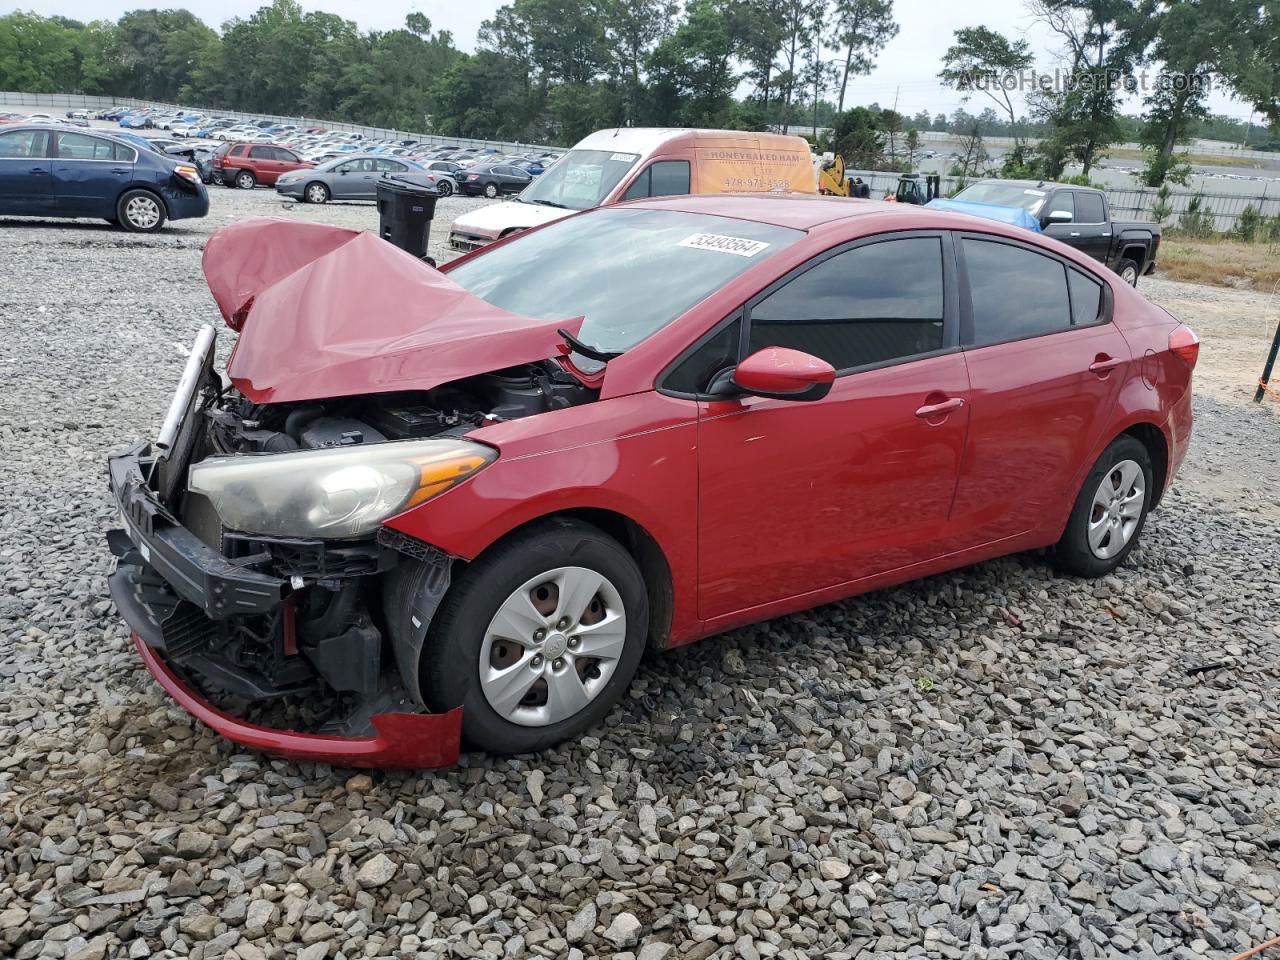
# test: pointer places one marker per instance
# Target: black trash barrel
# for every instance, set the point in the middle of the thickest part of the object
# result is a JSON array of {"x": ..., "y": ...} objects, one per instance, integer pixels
[{"x": 405, "y": 211}]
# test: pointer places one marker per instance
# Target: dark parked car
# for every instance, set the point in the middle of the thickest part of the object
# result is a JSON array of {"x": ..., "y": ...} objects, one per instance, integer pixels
[
  {"x": 1080, "y": 218},
  {"x": 492, "y": 180},
  {"x": 47, "y": 171},
  {"x": 246, "y": 165},
  {"x": 434, "y": 493}
]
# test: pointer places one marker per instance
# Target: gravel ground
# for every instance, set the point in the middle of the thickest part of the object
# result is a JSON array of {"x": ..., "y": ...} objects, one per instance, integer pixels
[{"x": 997, "y": 762}]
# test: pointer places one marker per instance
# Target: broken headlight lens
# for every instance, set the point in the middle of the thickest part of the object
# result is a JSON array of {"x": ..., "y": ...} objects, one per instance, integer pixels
[{"x": 336, "y": 492}]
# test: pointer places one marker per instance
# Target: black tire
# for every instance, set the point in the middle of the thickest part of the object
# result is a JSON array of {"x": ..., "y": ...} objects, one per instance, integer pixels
[
  {"x": 140, "y": 211},
  {"x": 1073, "y": 554},
  {"x": 1128, "y": 270},
  {"x": 245, "y": 180},
  {"x": 451, "y": 659},
  {"x": 316, "y": 192},
  {"x": 445, "y": 187},
  {"x": 491, "y": 191}
]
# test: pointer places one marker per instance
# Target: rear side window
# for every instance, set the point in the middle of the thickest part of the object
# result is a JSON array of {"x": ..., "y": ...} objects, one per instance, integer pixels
[
  {"x": 1089, "y": 208},
  {"x": 1086, "y": 298},
  {"x": 1015, "y": 293},
  {"x": 263, "y": 153},
  {"x": 23, "y": 144},
  {"x": 664, "y": 178},
  {"x": 237, "y": 151},
  {"x": 869, "y": 305},
  {"x": 76, "y": 146}
]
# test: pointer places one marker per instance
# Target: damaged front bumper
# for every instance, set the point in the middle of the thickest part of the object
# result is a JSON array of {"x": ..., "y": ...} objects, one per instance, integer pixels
[{"x": 183, "y": 599}]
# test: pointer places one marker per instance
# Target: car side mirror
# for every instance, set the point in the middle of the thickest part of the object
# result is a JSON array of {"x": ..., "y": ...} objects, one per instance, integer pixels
[
  {"x": 778, "y": 373},
  {"x": 1058, "y": 216}
]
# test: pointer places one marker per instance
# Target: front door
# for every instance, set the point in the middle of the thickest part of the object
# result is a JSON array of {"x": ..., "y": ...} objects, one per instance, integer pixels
[
  {"x": 26, "y": 178},
  {"x": 1046, "y": 365},
  {"x": 796, "y": 497}
]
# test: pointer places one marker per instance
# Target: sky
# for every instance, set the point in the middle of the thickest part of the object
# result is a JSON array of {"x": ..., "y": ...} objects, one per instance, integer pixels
[{"x": 906, "y": 70}]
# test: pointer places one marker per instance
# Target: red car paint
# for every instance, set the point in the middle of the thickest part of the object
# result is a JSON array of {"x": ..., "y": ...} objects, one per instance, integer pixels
[
  {"x": 404, "y": 740},
  {"x": 754, "y": 507},
  {"x": 308, "y": 332}
]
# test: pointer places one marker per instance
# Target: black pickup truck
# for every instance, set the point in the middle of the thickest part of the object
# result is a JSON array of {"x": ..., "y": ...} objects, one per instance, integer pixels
[{"x": 1079, "y": 217}]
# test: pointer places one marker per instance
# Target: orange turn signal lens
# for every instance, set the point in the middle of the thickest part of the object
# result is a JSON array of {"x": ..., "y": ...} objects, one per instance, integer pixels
[{"x": 437, "y": 477}]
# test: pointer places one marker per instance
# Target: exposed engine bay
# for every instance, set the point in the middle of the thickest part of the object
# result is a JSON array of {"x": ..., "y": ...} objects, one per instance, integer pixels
[{"x": 454, "y": 409}]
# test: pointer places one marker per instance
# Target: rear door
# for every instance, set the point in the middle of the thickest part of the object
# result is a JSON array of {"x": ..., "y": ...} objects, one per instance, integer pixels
[
  {"x": 799, "y": 497},
  {"x": 89, "y": 174},
  {"x": 26, "y": 172},
  {"x": 1045, "y": 366}
]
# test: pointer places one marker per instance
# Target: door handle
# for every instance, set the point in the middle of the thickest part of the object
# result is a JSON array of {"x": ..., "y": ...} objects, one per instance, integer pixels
[
  {"x": 1104, "y": 364},
  {"x": 119, "y": 169},
  {"x": 939, "y": 409},
  {"x": 1075, "y": 233},
  {"x": 39, "y": 169}
]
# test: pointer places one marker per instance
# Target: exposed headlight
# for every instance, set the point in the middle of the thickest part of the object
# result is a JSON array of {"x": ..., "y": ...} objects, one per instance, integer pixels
[{"x": 336, "y": 492}]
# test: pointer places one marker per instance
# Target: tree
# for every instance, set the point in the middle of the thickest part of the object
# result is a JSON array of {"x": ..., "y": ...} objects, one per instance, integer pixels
[
  {"x": 983, "y": 60},
  {"x": 697, "y": 60},
  {"x": 913, "y": 146},
  {"x": 856, "y": 136},
  {"x": 863, "y": 27}
]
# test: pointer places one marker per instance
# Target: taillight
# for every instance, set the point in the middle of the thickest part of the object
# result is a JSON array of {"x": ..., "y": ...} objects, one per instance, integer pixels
[
  {"x": 1184, "y": 342},
  {"x": 472, "y": 176},
  {"x": 187, "y": 172}
]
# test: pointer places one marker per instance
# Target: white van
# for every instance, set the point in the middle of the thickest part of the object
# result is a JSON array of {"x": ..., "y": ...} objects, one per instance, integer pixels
[{"x": 628, "y": 163}]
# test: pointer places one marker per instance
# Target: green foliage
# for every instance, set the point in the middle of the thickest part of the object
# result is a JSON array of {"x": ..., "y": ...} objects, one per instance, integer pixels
[
  {"x": 1248, "y": 224},
  {"x": 1195, "y": 221},
  {"x": 1161, "y": 207},
  {"x": 858, "y": 138}
]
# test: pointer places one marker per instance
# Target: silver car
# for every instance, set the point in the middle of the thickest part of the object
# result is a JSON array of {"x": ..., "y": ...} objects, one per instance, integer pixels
[{"x": 355, "y": 177}]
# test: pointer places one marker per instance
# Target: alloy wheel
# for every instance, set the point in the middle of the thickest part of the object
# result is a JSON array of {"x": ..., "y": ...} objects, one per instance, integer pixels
[
  {"x": 1117, "y": 509},
  {"x": 143, "y": 212},
  {"x": 552, "y": 646}
]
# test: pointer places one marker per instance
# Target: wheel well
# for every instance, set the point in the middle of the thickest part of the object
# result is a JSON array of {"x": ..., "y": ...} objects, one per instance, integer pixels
[
  {"x": 1149, "y": 435},
  {"x": 145, "y": 188},
  {"x": 643, "y": 549},
  {"x": 1135, "y": 252}
]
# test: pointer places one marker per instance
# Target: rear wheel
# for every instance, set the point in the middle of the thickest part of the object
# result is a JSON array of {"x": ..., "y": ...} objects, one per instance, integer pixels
[
  {"x": 316, "y": 193},
  {"x": 445, "y": 187},
  {"x": 245, "y": 180},
  {"x": 1110, "y": 511},
  {"x": 1128, "y": 271},
  {"x": 140, "y": 211},
  {"x": 544, "y": 634},
  {"x": 491, "y": 190}
]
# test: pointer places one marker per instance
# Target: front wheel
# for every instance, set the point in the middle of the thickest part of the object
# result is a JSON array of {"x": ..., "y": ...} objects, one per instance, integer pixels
[
  {"x": 140, "y": 211},
  {"x": 1128, "y": 271},
  {"x": 544, "y": 634},
  {"x": 1109, "y": 512},
  {"x": 316, "y": 193},
  {"x": 491, "y": 190}
]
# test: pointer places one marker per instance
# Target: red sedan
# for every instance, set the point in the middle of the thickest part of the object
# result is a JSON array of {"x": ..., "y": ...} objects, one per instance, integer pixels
[{"x": 465, "y": 502}]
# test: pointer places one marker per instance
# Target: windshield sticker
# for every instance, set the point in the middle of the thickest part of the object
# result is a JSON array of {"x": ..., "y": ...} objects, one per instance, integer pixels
[
  {"x": 714, "y": 241},
  {"x": 624, "y": 157}
]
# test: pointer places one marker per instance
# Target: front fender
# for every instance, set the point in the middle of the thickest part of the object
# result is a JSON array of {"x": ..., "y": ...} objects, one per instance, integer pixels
[{"x": 648, "y": 475}]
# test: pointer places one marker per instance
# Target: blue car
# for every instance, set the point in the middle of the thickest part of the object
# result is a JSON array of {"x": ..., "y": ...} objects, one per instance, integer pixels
[{"x": 50, "y": 172}]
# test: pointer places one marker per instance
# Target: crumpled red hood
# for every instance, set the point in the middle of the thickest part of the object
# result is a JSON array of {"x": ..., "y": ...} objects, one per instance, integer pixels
[{"x": 326, "y": 312}]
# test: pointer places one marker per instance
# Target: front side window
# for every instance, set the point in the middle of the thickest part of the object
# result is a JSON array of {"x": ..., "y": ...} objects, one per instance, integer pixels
[
  {"x": 868, "y": 305},
  {"x": 1063, "y": 202},
  {"x": 665, "y": 178},
  {"x": 23, "y": 144},
  {"x": 1015, "y": 293},
  {"x": 285, "y": 155},
  {"x": 628, "y": 272}
]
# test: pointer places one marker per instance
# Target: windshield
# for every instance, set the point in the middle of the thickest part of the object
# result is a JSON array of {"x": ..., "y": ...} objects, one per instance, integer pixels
[
  {"x": 627, "y": 272},
  {"x": 1004, "y": 195},
  {"x": 580, "y": 179}
]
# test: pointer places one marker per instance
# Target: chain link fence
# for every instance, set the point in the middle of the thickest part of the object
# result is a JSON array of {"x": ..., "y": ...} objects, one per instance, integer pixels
[
  {"x": 1132, "y": 203},
  {"x": 71, "y": 101}
]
